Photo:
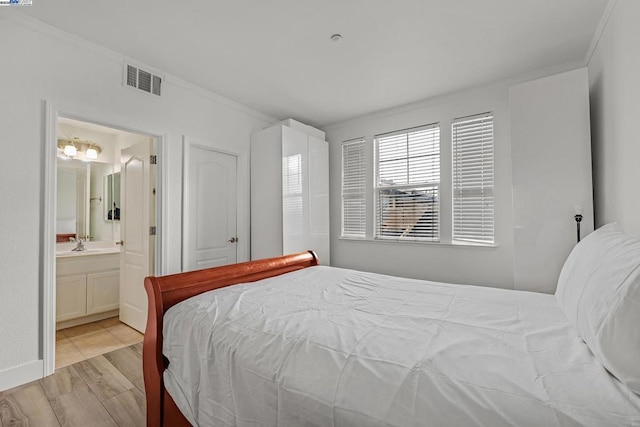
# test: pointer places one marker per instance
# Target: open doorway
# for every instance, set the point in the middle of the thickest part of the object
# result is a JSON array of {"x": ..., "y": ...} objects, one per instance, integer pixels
[{"x": 106, "y": 236}]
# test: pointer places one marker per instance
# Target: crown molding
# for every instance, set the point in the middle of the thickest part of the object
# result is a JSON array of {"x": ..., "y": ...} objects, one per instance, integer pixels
[
  {"x": 457, "y": 95},
  {"x": 38, "y": 26},
  {"x": 602, "y": 25}
]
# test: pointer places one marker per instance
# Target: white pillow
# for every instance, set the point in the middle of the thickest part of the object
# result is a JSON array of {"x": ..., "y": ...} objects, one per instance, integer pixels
[
  {"x": 577, "y": 270},
  {"x": 599, "y": 292}
]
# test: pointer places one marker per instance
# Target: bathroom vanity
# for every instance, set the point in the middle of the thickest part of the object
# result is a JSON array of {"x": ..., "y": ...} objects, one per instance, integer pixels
[{"x": 87, "y": 284}]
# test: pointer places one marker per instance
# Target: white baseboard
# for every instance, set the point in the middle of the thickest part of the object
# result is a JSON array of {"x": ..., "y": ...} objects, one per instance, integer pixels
[{"x": 21, "y": 374}]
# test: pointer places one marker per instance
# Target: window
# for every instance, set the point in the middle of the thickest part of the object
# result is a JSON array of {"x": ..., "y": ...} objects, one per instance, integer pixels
[
  {"x": 292, "y": 211},
  {"x": 404, "y": 201},
  {"x": 407, "y": 184},
  {"x": 353, "y": 189},
  {"x": 473, "y": 204}
]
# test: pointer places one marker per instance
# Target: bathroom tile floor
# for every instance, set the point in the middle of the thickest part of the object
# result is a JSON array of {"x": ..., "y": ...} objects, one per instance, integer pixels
[{"x": 92, "y": 339}]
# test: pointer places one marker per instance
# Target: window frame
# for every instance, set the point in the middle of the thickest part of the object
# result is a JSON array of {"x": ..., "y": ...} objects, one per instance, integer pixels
[{"x": 425, "y": 184}]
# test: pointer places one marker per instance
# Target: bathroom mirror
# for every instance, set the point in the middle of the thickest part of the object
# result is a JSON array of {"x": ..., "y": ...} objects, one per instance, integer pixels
[
  {"x": 82, "y": 197},
  {"x": 73, "y": 194},
  {"x": 112, "y": 191}
]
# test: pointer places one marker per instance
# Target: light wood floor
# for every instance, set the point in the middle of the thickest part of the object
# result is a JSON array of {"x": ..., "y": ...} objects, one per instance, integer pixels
[
  {"x": 92, "y": 339},
  {"x": 106, "y": 390}
]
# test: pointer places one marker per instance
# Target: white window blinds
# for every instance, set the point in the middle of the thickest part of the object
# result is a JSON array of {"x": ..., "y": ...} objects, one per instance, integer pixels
[
  {"x": 292, "y": 210},
  {"x": 407, "y": 184},
  {"x": 473, "y": 204},
  {"x": 353, "y": 189}
]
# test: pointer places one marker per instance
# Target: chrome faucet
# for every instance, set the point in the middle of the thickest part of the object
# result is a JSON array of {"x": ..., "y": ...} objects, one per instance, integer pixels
[{"x": 80, "y": 246}]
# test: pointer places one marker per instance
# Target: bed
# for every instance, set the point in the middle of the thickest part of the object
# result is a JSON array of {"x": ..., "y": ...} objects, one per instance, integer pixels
[{"x": 297, "y": 343}]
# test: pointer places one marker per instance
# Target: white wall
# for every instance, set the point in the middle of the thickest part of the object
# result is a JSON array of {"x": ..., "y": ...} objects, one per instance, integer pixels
[
  {"x": 40, "y": 63},
  {"x": 551, "y": 169},
  {"x": 448, "y": 263},
  {"x": 614, "y": 78}
]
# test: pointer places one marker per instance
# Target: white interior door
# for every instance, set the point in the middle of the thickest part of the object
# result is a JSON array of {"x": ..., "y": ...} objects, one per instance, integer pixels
[
  {"x": 210, "y": 208},
  {"x": 134, "y": 232}
]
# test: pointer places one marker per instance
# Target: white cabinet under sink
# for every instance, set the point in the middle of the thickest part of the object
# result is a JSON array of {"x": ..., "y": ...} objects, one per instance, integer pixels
[
  {"x": 103, "y": 291},
  {"x": 87, "y": 288},
  {"x": 71, "y": 297}
]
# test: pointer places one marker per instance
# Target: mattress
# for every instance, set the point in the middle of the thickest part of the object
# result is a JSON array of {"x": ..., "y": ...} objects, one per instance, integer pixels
[{"x": 335, "y": 347}]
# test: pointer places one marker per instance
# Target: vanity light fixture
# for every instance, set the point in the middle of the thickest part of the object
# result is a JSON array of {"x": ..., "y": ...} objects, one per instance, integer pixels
[{"x": 73, "y": 147}]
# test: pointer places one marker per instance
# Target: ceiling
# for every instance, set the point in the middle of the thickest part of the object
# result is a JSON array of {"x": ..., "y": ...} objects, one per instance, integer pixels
[
  {"x": 77, "y": 124},
  {"x": 277, "y": 57}
]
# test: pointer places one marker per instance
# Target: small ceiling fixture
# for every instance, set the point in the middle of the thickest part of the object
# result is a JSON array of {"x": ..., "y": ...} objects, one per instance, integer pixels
[
  {"x": 71, "y": 148},
  {"x": 336, "y": 37}
]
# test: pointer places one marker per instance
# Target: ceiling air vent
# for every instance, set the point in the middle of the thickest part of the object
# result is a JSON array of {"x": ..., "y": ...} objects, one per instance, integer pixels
[{"x": 143, "y": 80}]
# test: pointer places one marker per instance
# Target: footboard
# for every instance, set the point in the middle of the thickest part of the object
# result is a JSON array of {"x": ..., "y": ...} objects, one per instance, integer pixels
[{"x": 165, "y": 291}]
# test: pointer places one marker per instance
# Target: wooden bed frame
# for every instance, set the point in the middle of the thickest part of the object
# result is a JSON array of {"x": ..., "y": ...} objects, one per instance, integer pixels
[{"x": 166, "y": 291}]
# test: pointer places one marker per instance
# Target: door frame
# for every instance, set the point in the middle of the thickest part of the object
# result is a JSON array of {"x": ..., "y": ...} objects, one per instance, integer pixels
[
  {"x": 52, "y": 112},
  {"x": 242, "y": 246}
]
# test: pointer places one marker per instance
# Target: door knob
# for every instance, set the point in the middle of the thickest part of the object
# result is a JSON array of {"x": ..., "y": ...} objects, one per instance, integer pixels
[
  {"x": 121, "y": 243},
  {"x": 233, "y": 240}
]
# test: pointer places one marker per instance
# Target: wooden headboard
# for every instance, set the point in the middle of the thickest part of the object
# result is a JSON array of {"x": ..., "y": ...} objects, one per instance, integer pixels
[{"x": 166, "y": 291}]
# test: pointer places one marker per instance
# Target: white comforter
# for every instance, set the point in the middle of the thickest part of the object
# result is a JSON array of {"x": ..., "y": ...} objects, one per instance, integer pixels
[{"x": 334, "y": 347}]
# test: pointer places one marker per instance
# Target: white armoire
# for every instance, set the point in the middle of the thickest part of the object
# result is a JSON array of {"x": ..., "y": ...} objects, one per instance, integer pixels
[{"x": 289, "y": 191}]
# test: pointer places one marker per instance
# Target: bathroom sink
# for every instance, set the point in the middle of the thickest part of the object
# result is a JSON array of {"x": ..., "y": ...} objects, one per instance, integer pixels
[{"x": 88, "y": 252}]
